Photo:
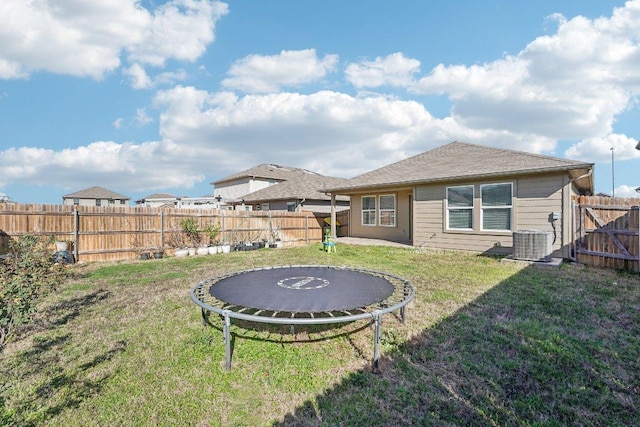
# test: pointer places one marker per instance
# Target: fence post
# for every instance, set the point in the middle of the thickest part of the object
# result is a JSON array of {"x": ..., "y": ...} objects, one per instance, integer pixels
[
  {"x": 161, "y": 230},
  {"x": 636, "y": 210},
  {"x": 76, "y": 232},
  {"x": 224, "y": 237}
]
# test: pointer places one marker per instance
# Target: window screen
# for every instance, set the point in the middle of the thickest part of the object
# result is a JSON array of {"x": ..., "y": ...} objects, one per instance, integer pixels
[{"x": 460, "y": 207}]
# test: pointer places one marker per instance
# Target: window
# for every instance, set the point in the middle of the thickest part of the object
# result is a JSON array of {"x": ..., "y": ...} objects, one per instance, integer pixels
[
  {"x": 460, "y": 207},
  {"x": 122, "y": 201},
  {"x": 98, "y": 202},
  {"x": 496, "y": 206},
  {"x": 291, "y": 206},
  {"x": 265, "y": 207},
  {"x": 388, "y": 210},
  {"x": 76, "y": 201},
  {"x": 369, "y": 210}
]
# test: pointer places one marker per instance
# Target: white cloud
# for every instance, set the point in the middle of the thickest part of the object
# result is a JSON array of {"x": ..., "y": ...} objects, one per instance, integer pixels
[
  {"x": 88, "y": 38},
  {"x": 569, "y": 85},
  {"x": 141, "y": 80},
  {"x": 149, "y": 165},
  {"x": 599, "y": 149},
  {"x": 118, "y": 123},
  {"x": 142, "y": 118},
  {"x": 393, "y": 70},
  {"x": 356, "y": 133},
  {"x": 264, "y": 74},
  {"x": 138, "y": 76},
  {"x": 626, "y": 191},
  {"x": 220, "y": 133},
  {"x": 179, "y": 29}
]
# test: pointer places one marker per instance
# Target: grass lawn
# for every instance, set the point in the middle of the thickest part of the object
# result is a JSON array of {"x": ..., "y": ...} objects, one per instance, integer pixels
[{"x": 485, "y": 343}]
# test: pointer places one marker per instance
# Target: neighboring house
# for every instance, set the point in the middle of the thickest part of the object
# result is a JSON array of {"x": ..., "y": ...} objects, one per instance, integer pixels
[
  {"x": 95, "y": 196},
  {"x": 165, "y": 200},
  {"x": 158, "y": 200},
  {"x": 467, "y": 197},
  {"x": 235, "y": 186},
  {"x": 304, "y": 192}
]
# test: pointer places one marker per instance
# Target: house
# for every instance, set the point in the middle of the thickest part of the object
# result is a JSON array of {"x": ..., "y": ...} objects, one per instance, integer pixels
[
  {"x": 158, "y": 200},
  {"x": 274, "y": 187},
  {"x": 467, "y": 197},
  {"x": 164, "y": 200},
  {"x": 303, "y": 192},
  {"x": 95, "y": 196},
  {"x": 234, "y": 187}
]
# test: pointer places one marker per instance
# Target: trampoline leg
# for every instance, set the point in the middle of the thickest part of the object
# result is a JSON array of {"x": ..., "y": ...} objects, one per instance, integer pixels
[
  {"x": 204, "y": 317},
  {"x": 227, "y": 340},
  {"x": 403, "y": 309},
  {"x": 377, "y": 318}
]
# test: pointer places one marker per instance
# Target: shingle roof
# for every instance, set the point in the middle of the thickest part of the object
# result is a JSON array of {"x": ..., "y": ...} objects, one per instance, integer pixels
[
  {"x": 265, "y": 171},
  {"x": 309, "y": 186},
  {"x": 459, "y": 160},
  {"x": 95, "y": 193},
  {"x": 160, "y": 196}
]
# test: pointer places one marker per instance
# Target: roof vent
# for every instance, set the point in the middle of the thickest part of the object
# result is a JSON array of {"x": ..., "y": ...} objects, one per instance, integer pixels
[{"x": 532, "y": 245}]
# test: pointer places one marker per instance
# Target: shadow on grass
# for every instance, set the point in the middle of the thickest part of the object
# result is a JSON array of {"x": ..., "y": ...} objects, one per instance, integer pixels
[
  {"x": 257, "y": 331},
  {"x": 544, "y": 347},
  {"x": 59, "y": 380},
  {"x": 64, "y": 312}
]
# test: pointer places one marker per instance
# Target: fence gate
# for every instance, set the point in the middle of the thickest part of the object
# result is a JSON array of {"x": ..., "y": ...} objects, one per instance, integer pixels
[{"x": 607, "y": 233}]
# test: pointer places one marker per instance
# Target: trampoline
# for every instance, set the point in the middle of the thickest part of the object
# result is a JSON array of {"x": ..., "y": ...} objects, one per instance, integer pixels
[{"x": 303, "y": 295}]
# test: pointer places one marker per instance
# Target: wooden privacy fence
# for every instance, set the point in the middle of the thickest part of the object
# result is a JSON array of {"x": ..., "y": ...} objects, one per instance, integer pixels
[
  {"x": 114, "y": 233},
  {"x": 607, "y": 232}
]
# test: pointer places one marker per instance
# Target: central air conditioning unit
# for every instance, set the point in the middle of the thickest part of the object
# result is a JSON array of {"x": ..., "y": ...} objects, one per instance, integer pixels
[{"x": 532, "y": 245}]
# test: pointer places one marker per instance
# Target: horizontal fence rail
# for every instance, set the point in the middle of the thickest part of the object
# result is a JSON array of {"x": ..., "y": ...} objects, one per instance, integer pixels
[
  {"x": 607, "y": 232},
  {"x": 114, "y": 233}
]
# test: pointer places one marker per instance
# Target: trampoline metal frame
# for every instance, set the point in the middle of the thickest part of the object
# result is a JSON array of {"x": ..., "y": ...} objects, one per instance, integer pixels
[{"x": 372, "y": 312}]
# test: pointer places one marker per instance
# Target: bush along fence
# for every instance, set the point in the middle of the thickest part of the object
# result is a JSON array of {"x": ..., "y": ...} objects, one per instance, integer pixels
[
  {"x": 607, "y": 232},
  {"x": 113, "y": 233}
]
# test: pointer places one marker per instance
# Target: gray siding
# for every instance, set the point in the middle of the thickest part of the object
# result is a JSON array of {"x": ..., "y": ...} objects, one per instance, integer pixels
[
  {"x": 535, "y": 197},
  {"x": 401, "y": 232}
]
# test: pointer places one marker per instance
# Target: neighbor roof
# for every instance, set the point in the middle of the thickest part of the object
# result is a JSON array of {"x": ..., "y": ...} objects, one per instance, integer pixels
[
  {"x": 309, "y": 186},
  {"x": 160, "y": 196},
  {"x": 460, "y": 160},
  {"x": 266, "y": 171},
  {"x": 95, "y": 193}
]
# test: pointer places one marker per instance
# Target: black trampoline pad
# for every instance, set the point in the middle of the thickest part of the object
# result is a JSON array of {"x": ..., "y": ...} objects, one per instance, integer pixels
[{"x": 302, "y": 289}]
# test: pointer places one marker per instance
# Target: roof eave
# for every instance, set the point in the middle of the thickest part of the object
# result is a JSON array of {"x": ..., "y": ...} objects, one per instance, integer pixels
[{"x": 346, "y": 190}]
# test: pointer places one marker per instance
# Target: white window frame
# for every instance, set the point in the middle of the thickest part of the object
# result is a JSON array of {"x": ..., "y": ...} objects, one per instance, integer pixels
[
  {"x": 483, "y": 208},
  {"x": 363, "y": 210},
  {"x": 381, "y": 211},
  {"x": 457, "y": 208}
]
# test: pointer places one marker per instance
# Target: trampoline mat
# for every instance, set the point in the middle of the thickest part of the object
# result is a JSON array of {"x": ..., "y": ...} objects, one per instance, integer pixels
[{"x": 302, "y": 289}]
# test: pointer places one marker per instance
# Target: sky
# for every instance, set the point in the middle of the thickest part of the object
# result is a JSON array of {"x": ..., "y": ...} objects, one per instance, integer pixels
[{"x": 152, "y": 96}]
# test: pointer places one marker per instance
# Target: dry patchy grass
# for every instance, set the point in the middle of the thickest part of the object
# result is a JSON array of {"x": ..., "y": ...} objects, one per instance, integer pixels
[{"x": 486, "y": 343}]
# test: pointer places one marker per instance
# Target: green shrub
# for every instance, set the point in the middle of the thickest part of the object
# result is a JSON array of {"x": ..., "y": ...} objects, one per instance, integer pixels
[
  {"x": 190, "y": 229},
  {"x": 27, "y": 273}
]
